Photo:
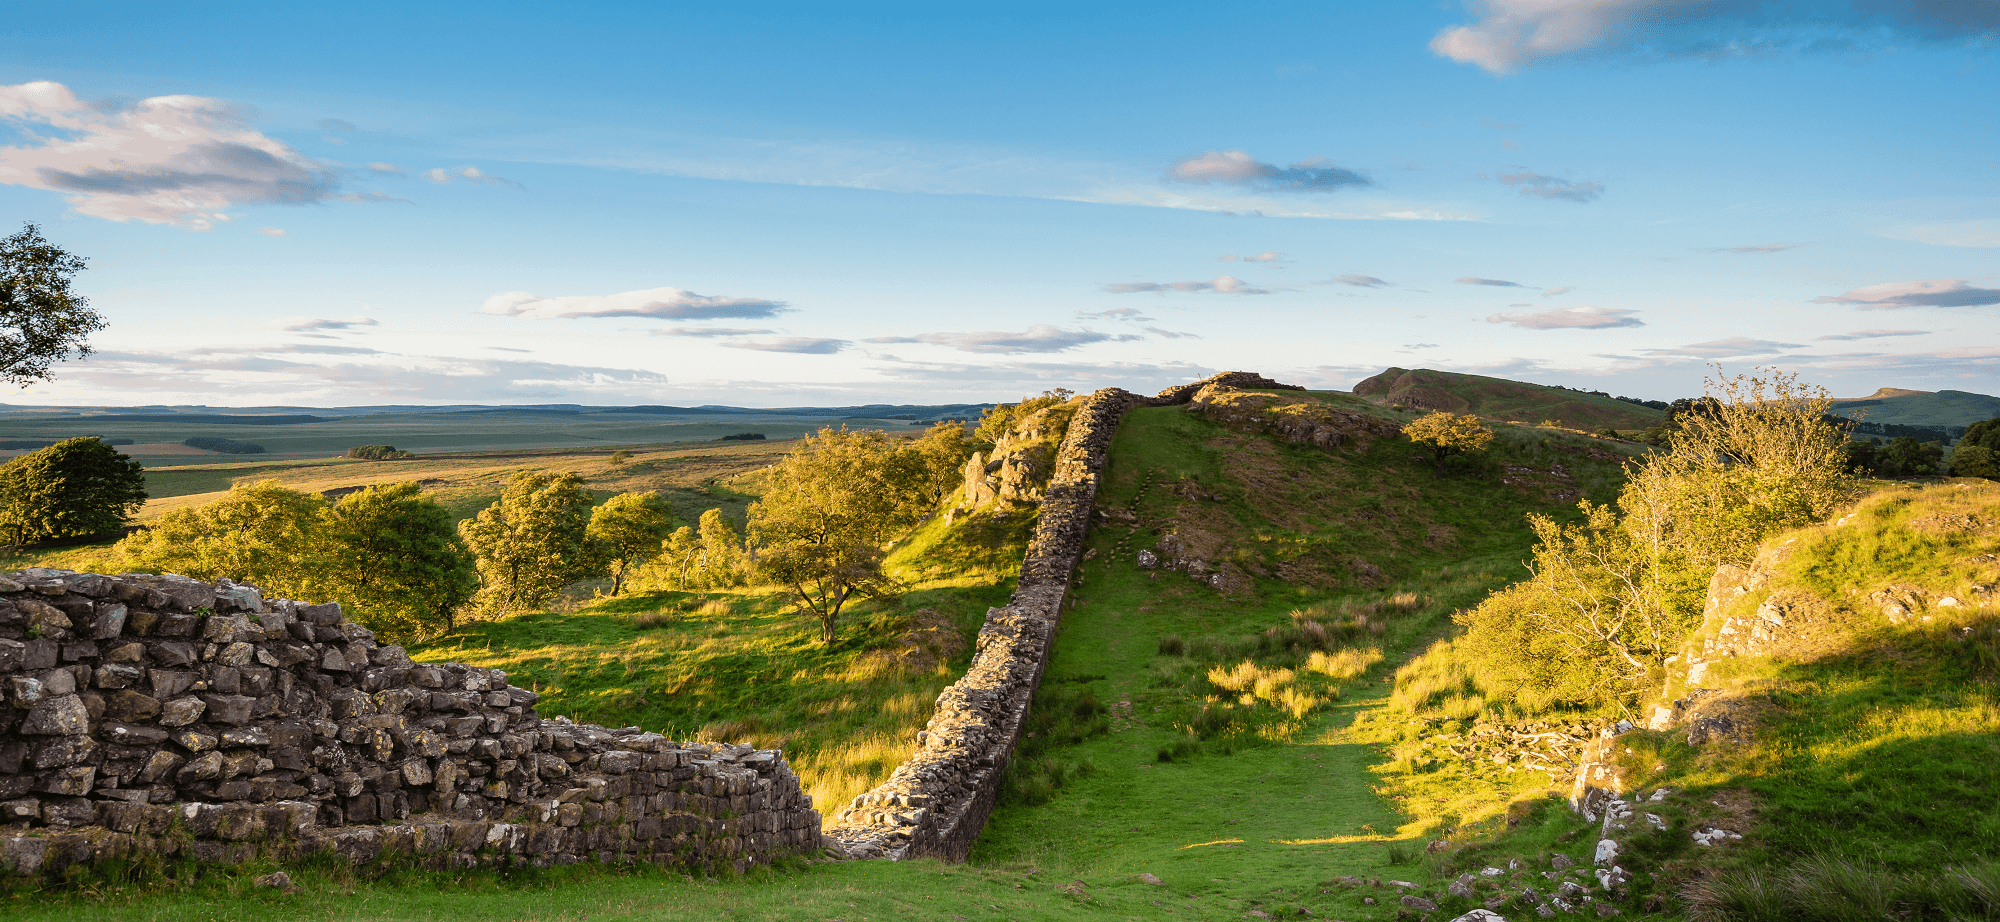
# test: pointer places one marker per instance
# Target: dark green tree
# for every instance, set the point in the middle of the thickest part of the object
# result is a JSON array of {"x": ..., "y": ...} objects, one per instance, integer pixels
[
  {"x": 628, "y": 530},
  {"x": 1983, "y": 434},
  {"x": 396, "y": 563},
  {"x": 42, "y": 321},
  {"x": 74, "y": 488},
  {"x": 1975, "y": 461},
  {"x": 532, "y": 542}
]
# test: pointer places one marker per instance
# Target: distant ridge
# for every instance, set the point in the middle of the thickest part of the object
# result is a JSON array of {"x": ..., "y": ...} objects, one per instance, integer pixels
[
  {"x": 1499, "y": 398},
  {"x": 1895, "y": 406},
  {"x": 281, "y": 416}
]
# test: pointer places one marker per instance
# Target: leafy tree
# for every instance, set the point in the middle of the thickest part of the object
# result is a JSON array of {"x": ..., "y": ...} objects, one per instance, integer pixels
[
  {"x": 532, "y": 542},
  {"x": 264, "y": 534},
  {"x": 677, "y": 556},
  {"x": 1976, "y": 461},
  {"x": 1907, "y": 457},
  {"x": 1447, "y": 434},
  {"x": 620, "y": 456},
  {"x": 630, "y": 528},
  {"x": 1982, "y": 434},
  {"x": 71, "y": 489},
  {"x": 379, "y": 453},
  {"x": 936, "y": 462},
  {"x": 393, "y": 559},
  {"x": 832, "y": 505},
  {"x": 42, "y": 321},
  {"x": 719, "y": 553}
]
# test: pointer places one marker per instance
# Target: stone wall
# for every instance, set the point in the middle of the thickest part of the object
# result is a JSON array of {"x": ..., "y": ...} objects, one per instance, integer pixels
[
  {"x": 159, "y": 715},
  {"x": 936, "y": 803}
]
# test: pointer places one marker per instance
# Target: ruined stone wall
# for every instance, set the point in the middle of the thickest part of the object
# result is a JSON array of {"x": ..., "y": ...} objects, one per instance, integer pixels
[
  {"x": 936, "y": 803},
  {"x": 165, "y": 716}
]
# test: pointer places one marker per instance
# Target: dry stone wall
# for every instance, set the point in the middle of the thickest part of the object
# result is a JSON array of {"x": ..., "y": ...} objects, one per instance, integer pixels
[
  {"x": 936, "y": 803},
  {"x": 160, "y": 715}
]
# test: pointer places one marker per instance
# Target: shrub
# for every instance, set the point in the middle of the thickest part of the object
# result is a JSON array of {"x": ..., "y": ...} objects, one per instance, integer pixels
[
  {"x": 379, "y": 453},
  {"x": 71, "y": 489},
  {"x": 743, "y": 437},
  {"x": 1976, "y": 461}
]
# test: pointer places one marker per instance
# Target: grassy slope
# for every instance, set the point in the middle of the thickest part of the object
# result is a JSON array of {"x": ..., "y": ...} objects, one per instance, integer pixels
[
  {"x": 1944, "y": 408},
  {"x": 1499, "y": 398},
  {"x": 1303, "y": 807}
]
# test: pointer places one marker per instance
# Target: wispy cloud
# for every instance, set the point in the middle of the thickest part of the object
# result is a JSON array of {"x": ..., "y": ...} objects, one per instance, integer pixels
[
  {"x": 1733, "y": 347},
  {"x": 1566, "y": 289},
  {"x": 1875, "y": 334},
  {"x": 271, "y": 231},
  {"x": 1575, "y": 318},
  {"x": 1235, "y": 167},
  {"x": 1221, "y": 284},
  {"x": 303, "y": 324},
  {"x": 179, "y": 160},
  {"x": 1169, "y": 334},
  {"x": 1129, "y": 314},
  {"x": 385, "y": 169},
  {"x": 1928, "y": 293},
  {"x": 801, "y": 345},
  {"x": 1494, "y": 283},
  {"x": 1539, "y": 185},
  {"x": 664, "y": 303},
  {"x": 1984, "y": 233},
  {"x": 1512, "y": 34},
  {"x": 471, "y": 174},
  {"x": 708, "y": 331},
  {"x": 1420, "y": 345},
  {"x": 1041, "y": 337},
  {"x": 1268, "y": 256},
  {"x": 1356, "y": 280},
  {"x": 1754, "y": 248}
]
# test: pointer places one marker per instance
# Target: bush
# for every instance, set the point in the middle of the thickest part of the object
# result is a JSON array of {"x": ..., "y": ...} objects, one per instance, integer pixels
[
  {"x": 1976, "y": 461},
  {"x": 71, "y": 489},
  {"x": 743, "y": 437},
  {"x": 379, "y": 453},
  {"x": 226, "y": 446}
]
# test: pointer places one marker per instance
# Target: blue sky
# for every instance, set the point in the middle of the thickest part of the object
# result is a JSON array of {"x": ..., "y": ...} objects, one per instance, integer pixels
[{"x": 508, "y": 203}]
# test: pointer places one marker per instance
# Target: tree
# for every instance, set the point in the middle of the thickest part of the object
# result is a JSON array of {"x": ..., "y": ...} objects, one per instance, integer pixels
[
  {"x": 42, "y": 321},
  {"x": 379, "y": 453},
  {"x": 1447, "y": 434},
  {"x": 1975, "y": 461},
  {"x": 832, "y": 504},
  {"x": 630, "y": 528},
  {"x": 936, "y": 462},
  {"x": 718, "y": 561},
  {"x": 995, "y": 422},
  {"x": 74, "y": 488},
  {"x": 264, "y": 534},
  {"x": 1982, "y": 434},
  {"x": 394, "y": 561},
  {"x": 531, "y": 542},
  {"x": 677, "y": 555}
]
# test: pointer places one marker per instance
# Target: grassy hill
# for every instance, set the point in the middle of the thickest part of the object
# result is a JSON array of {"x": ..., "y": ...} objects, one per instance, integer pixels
[
  {"x": 1890, "y": 406},
  {"x": 1498, "y": 398}
]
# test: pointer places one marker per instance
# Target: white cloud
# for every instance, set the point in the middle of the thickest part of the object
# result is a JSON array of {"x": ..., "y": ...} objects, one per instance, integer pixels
[
  {"x": 1874, "y": 334},
  {"x": 1575, "y": 318},
  {"x": 386, "y": 169},
  {"x": 707, "y": 331},
  {"x": 271, "y": 231},
  {"x": 1733, "y": 347},
  {"x": 1512, "y": 34},
  {"x": 1491, "y": 283},
  {"x": 1537, "y": 185},
  {"x": 179, "y": 160},
  {"x": 1566, "y": 289},
  {"x": 665, "y": 303},
  {"x": 1131, "y": 314},
  {"x": 303, "y": 324},
  {"x": 1928, "y": 293},
  {"x": 802, "y": 345},
  {"x": 1170, "y": 334},
  {"x": 1959, "y": 234},
  {"x": 1235, "y": 167},
  {"x": 1357, "y": 280},
  {"x": 1041, "y": 337},
  {"x": 1268, "y": 256},
  {"x": 471, "y": 174},
  {"x": 1221, "y": 284}
]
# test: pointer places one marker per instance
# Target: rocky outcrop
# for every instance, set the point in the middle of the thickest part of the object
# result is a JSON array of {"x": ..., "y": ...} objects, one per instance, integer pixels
[
  {"x": 936, "y": 803},
  {"x": 163, "y": 715}
]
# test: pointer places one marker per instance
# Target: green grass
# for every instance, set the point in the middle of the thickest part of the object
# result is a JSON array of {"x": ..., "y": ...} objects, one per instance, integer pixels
[{"x": 1498, "y": 398}]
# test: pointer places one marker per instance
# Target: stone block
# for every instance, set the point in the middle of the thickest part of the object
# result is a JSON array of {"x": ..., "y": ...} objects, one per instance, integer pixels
[
  {"x": 229, "y": 709},
  {"x": 60, "y": 715},
  {"x": 72, "y": 781},
  {"x": 130, "y": 706}
]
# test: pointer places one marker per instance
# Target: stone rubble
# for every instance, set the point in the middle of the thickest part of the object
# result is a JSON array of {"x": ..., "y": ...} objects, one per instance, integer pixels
[{"x": 164, "y": 715}]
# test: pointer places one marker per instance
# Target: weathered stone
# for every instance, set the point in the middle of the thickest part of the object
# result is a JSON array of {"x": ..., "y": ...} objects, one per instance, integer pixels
[
  {"x": 67, "y": 750},
  {"x": 22, "y": 855},
  {"x": 229, "y": 709},
  {"x": 205, "y": 767},
  {"x": 72, "y": 781},
  {"x": 194, "y": 740},
  {"x": 131, "y": 707},
  {"x": 61, "y": 715},
  {"x": 160, "y": 766},
  {"x": 180, "y": 712},
  {"x": 239, "y": 653},
  {"x": 107, "y": 621}
]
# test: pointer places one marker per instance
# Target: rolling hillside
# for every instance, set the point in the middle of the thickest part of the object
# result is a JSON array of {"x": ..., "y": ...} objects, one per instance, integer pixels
[
  {"x": 1499, "y": 398},
  {"x": 1894, "y": 407}
]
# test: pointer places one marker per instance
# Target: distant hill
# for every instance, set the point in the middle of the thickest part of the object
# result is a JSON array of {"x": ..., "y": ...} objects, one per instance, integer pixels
[
  {"x": 1498, "y": 398},
  {"x": 1896, "y": 407}
]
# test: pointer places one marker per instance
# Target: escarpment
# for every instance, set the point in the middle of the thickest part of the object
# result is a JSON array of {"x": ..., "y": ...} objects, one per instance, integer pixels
[{"x": 160, "y": 715}]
